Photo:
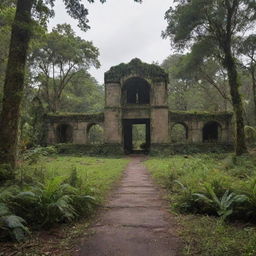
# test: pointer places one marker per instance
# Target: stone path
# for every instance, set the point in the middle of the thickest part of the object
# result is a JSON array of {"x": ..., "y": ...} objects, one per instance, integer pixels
[{"x": 135, "y": 222}]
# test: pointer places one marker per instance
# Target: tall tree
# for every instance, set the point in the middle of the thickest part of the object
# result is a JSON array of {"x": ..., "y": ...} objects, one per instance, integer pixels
[
  {"x": 14, "y": 82},
  {"x": 83, "y": 94},
  {"x": 194, "y": 85},
  {"x": 210, "y": 24},
  {"x": 14, "y": 79},
  {"x": 57, "y": 60},
  {"x": 206, "y": 71},
  {"x": 248, "y": 50},
  {"x": 7, "y": 11},
  {"x": 178, "y": 86}
]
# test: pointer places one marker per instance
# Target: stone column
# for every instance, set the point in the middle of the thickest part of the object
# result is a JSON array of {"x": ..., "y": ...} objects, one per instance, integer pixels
[
  {"x": 196, "y": 132},
  {"x": 112, "y": 114},
  {"x": 79, "y": 133},
  {"x": 51, "y": 136},
  {"x": 227, "y": 133},
  {"x": 112, "y": 126},
  {"x": 159, "y": 126},
  {"x": 159, "y": 96},
  {"x": 159, "y": 114}
]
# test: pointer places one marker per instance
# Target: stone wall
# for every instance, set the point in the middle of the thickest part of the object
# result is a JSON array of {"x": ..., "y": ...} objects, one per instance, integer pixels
[
  {"x": 161, "y": 122},
  {"x": 195, "y": 122},
  {"x": 80, "y": 124},
  {"x": 154, "y": 111}
]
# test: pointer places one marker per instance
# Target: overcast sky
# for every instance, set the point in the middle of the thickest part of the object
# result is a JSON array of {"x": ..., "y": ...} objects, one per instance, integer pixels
[{"x": 123, "y": 30}]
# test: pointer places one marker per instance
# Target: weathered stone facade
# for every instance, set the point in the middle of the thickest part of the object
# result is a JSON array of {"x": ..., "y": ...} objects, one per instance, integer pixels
[
  {"x": 136, "y": 93},
  {"x": 76, "y": 125}
]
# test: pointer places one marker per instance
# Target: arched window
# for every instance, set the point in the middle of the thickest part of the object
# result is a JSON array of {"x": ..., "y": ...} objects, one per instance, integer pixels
[
  {"x": 64, "y": 133},
  {"x": 211, "y": 132},
  {"x": 179, "y": 133},
  {"x": 95, "y": 134},
  {"x": 136, "y": 91}
]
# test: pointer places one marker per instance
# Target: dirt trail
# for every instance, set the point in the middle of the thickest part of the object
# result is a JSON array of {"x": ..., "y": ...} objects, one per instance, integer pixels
[{"x": 135, "y": 222}]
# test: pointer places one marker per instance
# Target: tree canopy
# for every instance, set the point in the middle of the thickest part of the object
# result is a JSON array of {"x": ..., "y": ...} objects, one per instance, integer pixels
[
  {"x": 57, "y": 59},
  {"x": 210, "y": 28}
]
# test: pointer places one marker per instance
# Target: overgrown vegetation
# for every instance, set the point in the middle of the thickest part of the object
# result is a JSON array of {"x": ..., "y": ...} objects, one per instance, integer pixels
[
  {"x": 150, "y": 71},
  {"x": 220, "y": 186},
  {"x": 206, "y": 236},
  {"x": 50, "y": 189}
]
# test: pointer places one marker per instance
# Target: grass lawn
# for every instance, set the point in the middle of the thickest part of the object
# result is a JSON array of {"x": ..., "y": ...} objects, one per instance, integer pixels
[
  {"x": 96, "y": 174},
  {"x": 204, "y": 232}
]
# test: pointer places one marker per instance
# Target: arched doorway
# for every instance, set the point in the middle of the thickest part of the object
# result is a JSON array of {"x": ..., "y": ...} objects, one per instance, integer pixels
[
  {"x": 211, "y": 132},
  {"x": 136, "y": 135},
  {"x": 95, "y": 134},
  {"x": 179, "y": 133},
  {"x": 136, "y": 90},
  {"x": 64, "y": 133}
]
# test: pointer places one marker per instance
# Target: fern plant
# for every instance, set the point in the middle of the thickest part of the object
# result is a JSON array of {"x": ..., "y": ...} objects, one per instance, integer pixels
[
  {"x": 60, "y": 202},
  {"x": 42, "y": 206},
  {"x": 249, "y": 206},
  {"x": 55, "y": 202},
  {"x": 11, "y": 225},
  {"x": 185, "y": 199},
  {"x": 223, "y": 205}
]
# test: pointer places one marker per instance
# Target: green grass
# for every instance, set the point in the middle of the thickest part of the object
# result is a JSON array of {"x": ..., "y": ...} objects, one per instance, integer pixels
[
  {"x": 204, "y": 233},
  {"x": 95, "y": 173},
  {"x": 55, "y": 190},
  {"x": 208, "y": 236},
  {"x": 224, "y": 170}
]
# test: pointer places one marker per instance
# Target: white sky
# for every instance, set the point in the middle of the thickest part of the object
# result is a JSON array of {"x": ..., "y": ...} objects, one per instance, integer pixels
[{"x": 122, "y": 30}]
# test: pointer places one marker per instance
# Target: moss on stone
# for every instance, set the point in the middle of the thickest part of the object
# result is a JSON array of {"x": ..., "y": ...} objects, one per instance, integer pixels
[
  {"x": 90, "y": 150},
  {"x": 87, "y": 117},
  {"x": 136, "y": 66},
  {"x": 199, "y": 115}
]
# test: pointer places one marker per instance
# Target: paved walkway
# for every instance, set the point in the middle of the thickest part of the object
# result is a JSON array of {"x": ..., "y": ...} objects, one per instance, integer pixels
[{"x": 135, "y": 222}]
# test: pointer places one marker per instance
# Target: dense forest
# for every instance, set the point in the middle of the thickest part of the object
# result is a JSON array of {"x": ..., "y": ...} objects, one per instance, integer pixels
[
  {"x": 43, "y": 70},
  {"x": 57, "y": 78}
]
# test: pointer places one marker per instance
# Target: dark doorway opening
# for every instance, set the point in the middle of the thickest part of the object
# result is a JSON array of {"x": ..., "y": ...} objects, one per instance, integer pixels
[
  {"x": 211, "y": 132},
  {"x": 64, "y": 133},
  {"x": 137, "y": 91},
  {"x": 136, "y": 134}
]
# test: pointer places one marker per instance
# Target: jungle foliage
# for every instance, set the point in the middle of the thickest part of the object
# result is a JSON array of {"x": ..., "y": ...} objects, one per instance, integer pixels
[
  {"x": 209, "y": 29},
  {"x": 49, "y": 190},
  {"x": 28, "y": 15},
  {"x": 214, "y": 198}
]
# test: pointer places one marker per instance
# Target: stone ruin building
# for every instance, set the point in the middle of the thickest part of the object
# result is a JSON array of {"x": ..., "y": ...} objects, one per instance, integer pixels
[{"x": 136, "y": 93}]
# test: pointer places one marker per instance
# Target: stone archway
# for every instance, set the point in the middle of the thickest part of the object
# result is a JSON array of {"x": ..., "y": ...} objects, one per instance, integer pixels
[
  {"x": 94, "y": 134},
  {"x": 212, "y": 132},
  {"x": 136, "y": 90},
  {"x": 64, "y": 133},
  {"x": 179, "y": 133},
  {"x": 128, "y": 135}
]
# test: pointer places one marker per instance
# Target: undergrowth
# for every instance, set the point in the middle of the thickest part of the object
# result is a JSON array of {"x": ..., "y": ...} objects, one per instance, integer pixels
[
  {"x": 205, "y": 235},
  {"x": 54, "y": 189},
  {"x": 221, "y": 186}
]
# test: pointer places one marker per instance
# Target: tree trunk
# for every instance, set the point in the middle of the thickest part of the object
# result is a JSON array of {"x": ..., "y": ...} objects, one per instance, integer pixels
[
  {"x": 14, "y": 82},
  {"x": 254, "y": 90},
  {"x": 240, "y": 146}
]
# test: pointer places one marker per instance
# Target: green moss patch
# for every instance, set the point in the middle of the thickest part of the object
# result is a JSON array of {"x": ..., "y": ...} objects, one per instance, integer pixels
[{"x": 136, "y": 66}]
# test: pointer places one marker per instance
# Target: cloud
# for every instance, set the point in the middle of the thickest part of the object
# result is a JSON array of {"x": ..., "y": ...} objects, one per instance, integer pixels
[{"x": 122, "y": 30}]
